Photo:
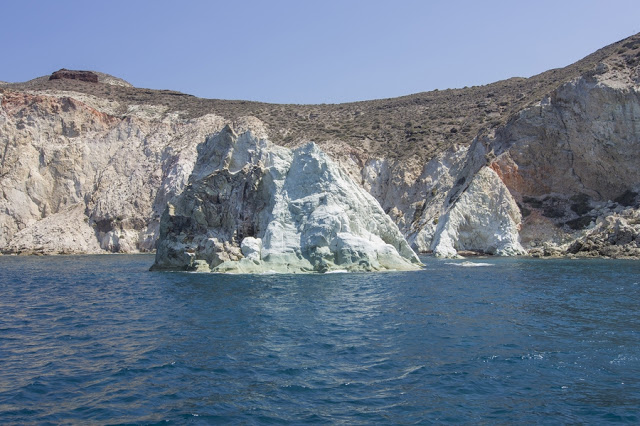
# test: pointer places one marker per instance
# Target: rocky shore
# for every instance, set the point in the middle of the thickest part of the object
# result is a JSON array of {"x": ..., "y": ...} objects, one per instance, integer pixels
[{"x": 90, "y": 164}]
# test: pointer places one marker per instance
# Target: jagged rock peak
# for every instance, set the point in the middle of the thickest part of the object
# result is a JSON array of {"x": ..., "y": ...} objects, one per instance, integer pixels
[{"x": 253, "y": 207}]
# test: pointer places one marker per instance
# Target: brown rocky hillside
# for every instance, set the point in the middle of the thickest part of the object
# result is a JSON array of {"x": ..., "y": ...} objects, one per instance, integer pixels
[{"x": 419, "y": 125}]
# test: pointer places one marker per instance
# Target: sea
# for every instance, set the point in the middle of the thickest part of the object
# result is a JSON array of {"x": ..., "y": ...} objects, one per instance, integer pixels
[{"x": 101, "y": 340}]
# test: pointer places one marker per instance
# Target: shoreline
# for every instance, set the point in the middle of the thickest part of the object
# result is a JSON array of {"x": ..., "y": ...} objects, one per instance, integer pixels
[{"x": 463, "y": 254}]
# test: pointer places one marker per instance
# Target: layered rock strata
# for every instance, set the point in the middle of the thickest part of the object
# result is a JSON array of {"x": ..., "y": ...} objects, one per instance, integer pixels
[
  {"x": 115, "y": 175},
  {"x": 253, "y": 207},
  {"x": 570, "y": 155},
  {"x": 544, "y": 180},
  {"x": 90, "y": 166}
]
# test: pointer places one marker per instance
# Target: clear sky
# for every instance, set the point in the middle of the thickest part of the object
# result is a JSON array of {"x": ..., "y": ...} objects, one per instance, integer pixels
[{"x": 305, "y": 51}]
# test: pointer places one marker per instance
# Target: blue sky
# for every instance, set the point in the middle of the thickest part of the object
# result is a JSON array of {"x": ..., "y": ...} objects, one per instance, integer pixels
[{"x": 307, "y": 51}]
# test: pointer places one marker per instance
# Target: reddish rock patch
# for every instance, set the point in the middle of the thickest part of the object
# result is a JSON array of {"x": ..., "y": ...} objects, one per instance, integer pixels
[{"x": 17, "y": 105}]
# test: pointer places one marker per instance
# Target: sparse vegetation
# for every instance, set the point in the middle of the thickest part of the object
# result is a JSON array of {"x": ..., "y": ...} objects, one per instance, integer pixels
[{"x": 419, "y": 125}]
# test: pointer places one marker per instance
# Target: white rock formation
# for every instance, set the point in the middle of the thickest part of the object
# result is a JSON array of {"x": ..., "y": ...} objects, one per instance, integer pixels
[
  {"x": 416, "y": 197},
  {"x": 253, "y": 207},
  {"x": 91, "y": 172},
  {"x": 485, "y": 218},
  {"x": 65, "y": 232},
  {"x": 116, "y": 174},
  {"x": 557, "y": 159}
]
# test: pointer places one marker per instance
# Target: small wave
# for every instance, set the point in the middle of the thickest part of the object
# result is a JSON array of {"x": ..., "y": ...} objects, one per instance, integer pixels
[
  {"x": 537, "y": 356},
  {"x": 337, "y": 271},
  {"x": 410, "y": 370},
  {"x": 296, "y": 388},
  {"x": 623, "y": 359},
  {"x": 468, "y": 264}
]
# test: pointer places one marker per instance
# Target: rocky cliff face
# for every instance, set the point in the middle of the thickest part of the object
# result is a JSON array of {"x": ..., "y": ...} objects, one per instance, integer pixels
[
  {"x": 570, "y": 161},
  {"x": 61, "y": 155},
  {"x": 253, "y": 207},
  {"x": 90, "y": 167},
  {"x": 545, "y": 182}
]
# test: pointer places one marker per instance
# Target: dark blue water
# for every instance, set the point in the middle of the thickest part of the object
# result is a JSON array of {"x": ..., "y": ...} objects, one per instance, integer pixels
[{"x": 102, "y": 340}]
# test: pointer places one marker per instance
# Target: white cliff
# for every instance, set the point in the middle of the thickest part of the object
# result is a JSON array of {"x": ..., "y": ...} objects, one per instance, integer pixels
[
  {"x": 533, "y": 184},
  {"x": 484, "y": 219},
  {"x": 253, "y": 207},
  {"x": 90, "y": 167},
  {"x": 64, "y": 232},
  {"x": 116, "y": 174}
]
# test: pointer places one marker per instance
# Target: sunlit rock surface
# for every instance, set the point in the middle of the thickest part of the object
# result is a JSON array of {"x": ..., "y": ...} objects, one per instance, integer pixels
[
  {"x": 484, "y": 219},
  {"x": 115, "y": 174},
  {"x": 90, "y": 167},
  {"x": 253, "y": 207}
]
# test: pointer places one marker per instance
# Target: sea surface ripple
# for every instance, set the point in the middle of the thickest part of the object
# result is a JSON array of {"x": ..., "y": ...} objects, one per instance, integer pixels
[{"x": 99, "y": 339}]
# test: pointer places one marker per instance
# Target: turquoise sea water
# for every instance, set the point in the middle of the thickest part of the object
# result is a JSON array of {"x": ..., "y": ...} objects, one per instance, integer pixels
[{"x": 99, "y": 339}]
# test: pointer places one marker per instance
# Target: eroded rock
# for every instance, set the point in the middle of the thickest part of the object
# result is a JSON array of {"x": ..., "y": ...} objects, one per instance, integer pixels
[
  {"x": 616, "y": 236},
  {"x": 485, "y": 218},
  {"x": 253, "y": 207}
]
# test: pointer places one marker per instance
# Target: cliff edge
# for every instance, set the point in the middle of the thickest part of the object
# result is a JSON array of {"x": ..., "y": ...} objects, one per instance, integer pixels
[{"x": 545, "y": 165}]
